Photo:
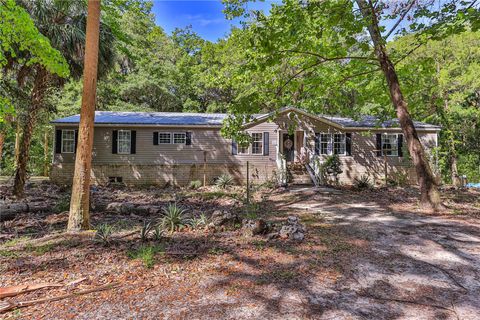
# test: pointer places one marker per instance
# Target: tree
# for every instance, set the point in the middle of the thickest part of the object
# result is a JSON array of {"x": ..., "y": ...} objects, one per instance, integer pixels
[
  {"x": 63, "y": 23},
  {"x": 79, "y": 217},
  {"x": 325, "y": 44}
]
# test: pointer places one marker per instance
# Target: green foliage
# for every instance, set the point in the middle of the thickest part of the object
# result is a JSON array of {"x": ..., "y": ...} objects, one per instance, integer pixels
[
  {"x": 224, "y": 181},
  {"x": 198, "y": 222},
  {"x": 62, "y": 205},
  {"x": 151, "y": 230},
  {"x": 363, "y": 182},
  {"x": 146, "y": 254},
  {"x": 104, "y": 234},
  {"x": 173, "y": 217},
  {"x": 195, "y": 184}
]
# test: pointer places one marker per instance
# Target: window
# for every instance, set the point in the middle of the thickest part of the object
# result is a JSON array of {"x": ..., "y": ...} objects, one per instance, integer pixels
[
  {"x": 339, "y": 143},
  {"x": 243, "y": 149},
  {"x": 68, "y": 141},
  {"x": 257, "y": 143},
  {"x": 164, "y": 137},
  {"x": 390, "y": 145},
  {"x": 179, "y": 138},
  {"x": 124, "y": 141},
  {"x": 325, "y": 139}
]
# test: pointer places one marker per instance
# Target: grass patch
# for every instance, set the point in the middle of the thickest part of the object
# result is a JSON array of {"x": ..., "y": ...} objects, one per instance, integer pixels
[
  {"x": 15, "y": 241},
  {"x": 146, "y": 254},
  {"x": 40, "y": 250},
  {"x": 216, "y": 251},
  {"x": 8, "y": 254}
]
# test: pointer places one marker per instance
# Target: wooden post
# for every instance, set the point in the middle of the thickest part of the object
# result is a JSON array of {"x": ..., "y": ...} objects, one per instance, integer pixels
[
  {"x": 248, "y": 184},
  {"x": 204, "y": 168}
]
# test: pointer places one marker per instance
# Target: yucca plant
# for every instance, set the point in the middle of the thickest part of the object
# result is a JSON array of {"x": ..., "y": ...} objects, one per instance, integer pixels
[
  {"x": 195, "y": 184},
  {"x": 173, "y": 217},
  {"x": 224, "y": 181},
  {"x": 104, "y": 233},
  {"x": 363, "y": 182},
  {"x": 198, "y": 222},
  {"x": 146, "y": 230}
]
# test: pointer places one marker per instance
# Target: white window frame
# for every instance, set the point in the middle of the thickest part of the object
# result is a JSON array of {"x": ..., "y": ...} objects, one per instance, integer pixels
[
  {"x": 394, "y": 150},
  {"x": 328, "y": 142},
  {"x": 342, "y": 142},
  {"x": 170, "y": 136},
  {"x": 257, "y": 141},
  {"x": 122, "y": 139},
  {"x": 69, "y": 139},
  {"x": 184, "y": 137}
]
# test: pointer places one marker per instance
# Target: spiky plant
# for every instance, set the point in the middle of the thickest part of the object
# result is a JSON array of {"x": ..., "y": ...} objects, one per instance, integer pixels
[
  {"x": 146, "y": 230},
  {"x": 104, "y": 233},
  {"x": 195, "y": 184},
  {"x": 198, "y": 222},
  {"x": 363, "y": 182},
  {"x": 173, "y": 217},
  {"x": 224, "y": 181}
]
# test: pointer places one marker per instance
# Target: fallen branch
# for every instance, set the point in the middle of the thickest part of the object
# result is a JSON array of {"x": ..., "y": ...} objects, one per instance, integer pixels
[
  {"x": 407, "y": 302},
  {"x": 16, "y": 290},
  {"x": 8, "y": 306}
]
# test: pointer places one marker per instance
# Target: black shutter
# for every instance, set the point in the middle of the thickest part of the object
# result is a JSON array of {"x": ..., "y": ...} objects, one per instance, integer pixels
[
  {"x": 155, "y": 138},
  {"x": 114, "y": 141},
  {"x": 76, "y": 141},
  {"x": 133, "y": 142},
  {"x": 58, "y": 141},
  {"x": 348, "y": 143},
  {"x": 266, "y": 143},
  {"x": 234, "y": 147},
  {"x": 400, "y": 145},
  {"x": 317, "y": 143},
  {"x": 188, "y": 138},
  {"x": 379, "y": 144}
]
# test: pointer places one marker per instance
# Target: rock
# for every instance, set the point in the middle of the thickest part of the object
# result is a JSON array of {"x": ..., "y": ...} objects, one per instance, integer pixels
[
  {"x": 254, "y": 227},
  {"x": 273, "y": 235},
  {"x": 121, "y": 207},
  {"x": 221, "y": 218},
  {"x": 145, "y": 209},
  {"x": 293, "y": 229}
]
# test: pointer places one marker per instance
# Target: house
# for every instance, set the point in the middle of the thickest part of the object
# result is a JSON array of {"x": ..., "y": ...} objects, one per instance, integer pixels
[{"x": 176, "y": 148}]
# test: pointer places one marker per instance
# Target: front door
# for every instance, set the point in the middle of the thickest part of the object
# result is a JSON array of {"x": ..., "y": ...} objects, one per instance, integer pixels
[{"x": 288, "y": 143}]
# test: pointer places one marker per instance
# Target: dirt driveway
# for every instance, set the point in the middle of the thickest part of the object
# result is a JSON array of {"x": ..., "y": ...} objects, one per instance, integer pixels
[{"x": 364, "y": 257}]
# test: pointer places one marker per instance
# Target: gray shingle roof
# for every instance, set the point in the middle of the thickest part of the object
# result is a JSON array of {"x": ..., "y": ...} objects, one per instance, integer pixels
[
  {"x": 373, "y": 122},
  {"x": 216, "y": 119},
  {"x": 151, "y": 118}
]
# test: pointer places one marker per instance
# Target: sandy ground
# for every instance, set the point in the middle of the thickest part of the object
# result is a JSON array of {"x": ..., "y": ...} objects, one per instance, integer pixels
[{"x": 367, "y": 255}]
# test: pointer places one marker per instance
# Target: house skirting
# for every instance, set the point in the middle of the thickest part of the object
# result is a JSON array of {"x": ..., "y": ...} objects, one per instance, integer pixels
[{"x": 162, "y": 175}]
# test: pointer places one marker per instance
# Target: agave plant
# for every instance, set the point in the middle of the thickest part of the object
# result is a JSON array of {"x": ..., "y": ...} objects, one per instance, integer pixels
[
  {"x": 224, "y": 181},
  {"x": 173, "y": 217},
  {"x": 104, "y": 233},
  {"x": 146, "y": 230},
  {"x": 198, "y": 222}
]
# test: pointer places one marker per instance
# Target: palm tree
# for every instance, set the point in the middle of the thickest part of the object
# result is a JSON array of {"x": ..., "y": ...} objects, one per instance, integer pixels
[
  {"x": 79, "y": 217},
  {"x": 64, "y": 23}
]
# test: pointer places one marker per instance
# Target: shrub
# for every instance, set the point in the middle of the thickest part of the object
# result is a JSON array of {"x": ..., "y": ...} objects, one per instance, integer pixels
[
  {"x": 62, "y": 205},
  {"x": 224, "y": 181},
  {"x": 363, "y": 182},
  {"x": 146, "y": 254},
  {"x": 199, "y": 222},
  {"x": 398, "y": 179},
  {"x": 195, "y": 184},
  {"x": 173, "y": 217},
  {"x": 104, "y": 233},
  {"x": 332, "y": 166}
]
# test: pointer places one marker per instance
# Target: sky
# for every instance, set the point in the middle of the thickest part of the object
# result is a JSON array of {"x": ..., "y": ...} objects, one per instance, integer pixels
[{"x": 205, "y": 16}]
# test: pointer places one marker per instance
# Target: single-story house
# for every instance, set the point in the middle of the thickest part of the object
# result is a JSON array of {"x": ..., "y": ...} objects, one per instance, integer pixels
[{"x": 176, "y": 148}]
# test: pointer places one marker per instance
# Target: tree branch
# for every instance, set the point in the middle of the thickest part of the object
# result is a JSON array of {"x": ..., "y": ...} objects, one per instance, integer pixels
[
  {"x": 404, "y": 14},
  {"x": 326, "y": 58}
]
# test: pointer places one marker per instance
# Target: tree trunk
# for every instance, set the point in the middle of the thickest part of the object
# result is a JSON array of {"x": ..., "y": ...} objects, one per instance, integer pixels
[
  {"x": 46, "y": 164},
  {"x": 38, "y": 92},
  {"x": 453, "y": 165},
  {"x": 80, "y": 201},
  {"x": 429, "y": 195},
  {"x": 2, "y": 141},
  {"x": 18, "y": 132}
]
